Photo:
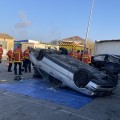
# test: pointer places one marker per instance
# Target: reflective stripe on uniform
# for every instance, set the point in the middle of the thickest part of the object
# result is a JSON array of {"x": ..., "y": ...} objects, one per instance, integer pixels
[{"x": 18, "y": 57}]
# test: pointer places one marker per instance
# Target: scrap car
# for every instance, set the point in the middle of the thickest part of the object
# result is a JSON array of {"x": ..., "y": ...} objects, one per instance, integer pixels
[
  {"x": 63, "y": 70},
  {"x": 108, "y": 63}
]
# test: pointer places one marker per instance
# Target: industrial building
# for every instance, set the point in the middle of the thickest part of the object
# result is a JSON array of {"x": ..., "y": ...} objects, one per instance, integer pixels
[
  {"x": 7, "y": 43},
  {"x": 34, "y": 44}
]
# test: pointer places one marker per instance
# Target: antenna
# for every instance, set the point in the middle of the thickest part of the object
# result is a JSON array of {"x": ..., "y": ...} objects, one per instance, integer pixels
[{"x": 86, "y": 39}]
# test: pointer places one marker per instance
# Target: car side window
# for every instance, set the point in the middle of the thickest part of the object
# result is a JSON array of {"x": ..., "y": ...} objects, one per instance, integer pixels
[{"x": 99, "y": 58}]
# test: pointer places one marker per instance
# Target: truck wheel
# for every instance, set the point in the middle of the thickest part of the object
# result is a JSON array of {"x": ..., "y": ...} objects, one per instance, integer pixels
[
  {"x": 82, "y": 77},
  {"x": 55, "y": 82}
]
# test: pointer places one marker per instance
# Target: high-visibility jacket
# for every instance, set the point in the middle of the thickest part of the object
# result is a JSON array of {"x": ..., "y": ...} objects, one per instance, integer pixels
[
  {"x": 70, "y": 53},
  {"x": 86, "y": 58},
  {"x": 10, "y": 56},
  {"x": 75, "y": 55},
  {"x": 17, "y": 55},
  {"x": 78, "y": 55},
  {"x": 26, "y": 54},
  {"x": 1, "y": 52}
]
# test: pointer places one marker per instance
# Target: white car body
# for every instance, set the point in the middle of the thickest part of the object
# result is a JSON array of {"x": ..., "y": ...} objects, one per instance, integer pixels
[{"x": 52, "y": 68}]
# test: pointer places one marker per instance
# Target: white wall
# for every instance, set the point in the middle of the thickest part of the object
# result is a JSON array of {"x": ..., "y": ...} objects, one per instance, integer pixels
[
  {"x": 33, "y": 41},
  {"x": 110, "y": 47}
]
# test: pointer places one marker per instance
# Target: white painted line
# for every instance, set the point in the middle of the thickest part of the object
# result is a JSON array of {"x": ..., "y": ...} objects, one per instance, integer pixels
[
  {"x": 76, "y": 115},
  {"x": 3, "y": 80},
  {"x": 6, "y": 93}
]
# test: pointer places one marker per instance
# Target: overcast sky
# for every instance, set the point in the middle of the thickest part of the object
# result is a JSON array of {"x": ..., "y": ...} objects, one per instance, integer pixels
[{"x": 47, "y": 20}]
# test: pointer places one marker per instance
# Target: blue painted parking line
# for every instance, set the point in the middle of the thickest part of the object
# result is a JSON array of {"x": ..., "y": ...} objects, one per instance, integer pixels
[{"x": 41, "y": 90}]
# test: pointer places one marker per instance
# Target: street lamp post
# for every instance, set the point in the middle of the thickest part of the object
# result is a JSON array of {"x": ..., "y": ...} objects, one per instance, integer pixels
[{"x": 86, "y": 39}]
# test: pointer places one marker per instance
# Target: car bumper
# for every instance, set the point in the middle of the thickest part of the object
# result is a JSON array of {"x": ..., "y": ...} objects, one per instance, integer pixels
[{"x": 99, "y": 88}]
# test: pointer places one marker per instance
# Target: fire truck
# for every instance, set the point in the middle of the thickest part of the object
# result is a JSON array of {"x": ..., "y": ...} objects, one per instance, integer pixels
[{"x": 71, "y": 46}]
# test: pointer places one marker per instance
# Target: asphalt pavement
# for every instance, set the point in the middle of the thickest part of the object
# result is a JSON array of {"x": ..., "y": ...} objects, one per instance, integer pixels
[{"x": 15, "y": 106}]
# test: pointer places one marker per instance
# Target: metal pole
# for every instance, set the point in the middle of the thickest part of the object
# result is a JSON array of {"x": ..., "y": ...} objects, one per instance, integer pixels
[{"x": 88, "y": 25}]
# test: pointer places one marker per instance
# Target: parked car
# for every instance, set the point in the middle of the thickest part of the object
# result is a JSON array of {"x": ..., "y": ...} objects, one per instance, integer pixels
[
  {"x": 108, "y": 63},
  {"x": 63, "y": 70}
]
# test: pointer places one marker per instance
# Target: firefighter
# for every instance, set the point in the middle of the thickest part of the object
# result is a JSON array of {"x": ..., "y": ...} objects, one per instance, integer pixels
[
  {"x": 75, "y": 55},
  {"x": 82, "y": 52},
  {"x": 78, "y": 55},
  {"x": 1, "y": 52},
  {"x": 18, "y": 57},
  {"x": 70, "y": 52},
  {"x": 10, "y": 59},
  {"x": 27, "y": 62},
  {"x": 86, "y": 58}
]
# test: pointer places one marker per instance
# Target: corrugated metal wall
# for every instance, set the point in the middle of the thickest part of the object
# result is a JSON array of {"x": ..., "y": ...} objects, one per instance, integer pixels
[{"x": 111, "y": 47}]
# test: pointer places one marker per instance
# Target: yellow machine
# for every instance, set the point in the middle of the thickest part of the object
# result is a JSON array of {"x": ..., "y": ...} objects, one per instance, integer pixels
[{"x": 71, "y": 46}]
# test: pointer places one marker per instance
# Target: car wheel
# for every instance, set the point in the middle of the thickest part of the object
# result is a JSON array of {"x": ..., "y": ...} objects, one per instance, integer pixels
[
  {"x": 41, "y": 54},
  {"x": 82, "y": 77},
  {"x": 55, "y": 82}
]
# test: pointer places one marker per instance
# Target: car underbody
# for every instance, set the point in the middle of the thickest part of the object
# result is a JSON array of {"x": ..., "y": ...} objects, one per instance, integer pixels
[{"x": 63, "y": 70}]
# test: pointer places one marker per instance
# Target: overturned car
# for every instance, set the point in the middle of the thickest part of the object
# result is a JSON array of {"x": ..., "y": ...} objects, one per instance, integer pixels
[{"x": 64, "y": 70}]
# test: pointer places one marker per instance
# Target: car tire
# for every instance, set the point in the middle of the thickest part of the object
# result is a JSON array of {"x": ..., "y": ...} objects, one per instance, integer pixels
[
  {"x": 41, "y": 54},
  {"x": 82, "y": 77}
]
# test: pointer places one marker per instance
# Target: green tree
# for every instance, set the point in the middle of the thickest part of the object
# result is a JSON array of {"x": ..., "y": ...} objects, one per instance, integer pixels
[{"x": 55, "y": 42}]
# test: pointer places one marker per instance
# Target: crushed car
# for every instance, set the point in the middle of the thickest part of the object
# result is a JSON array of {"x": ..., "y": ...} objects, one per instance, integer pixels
[
  {"x": 63, "y": 70},
  {"x": 107, "y": 63}
]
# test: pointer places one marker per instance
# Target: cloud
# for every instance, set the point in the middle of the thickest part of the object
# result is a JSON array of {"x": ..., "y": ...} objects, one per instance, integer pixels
[
  {"x": 22, "y": 15},
  {"x": 21, "y": 31},
  {"x": 24, "y": 22}
]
